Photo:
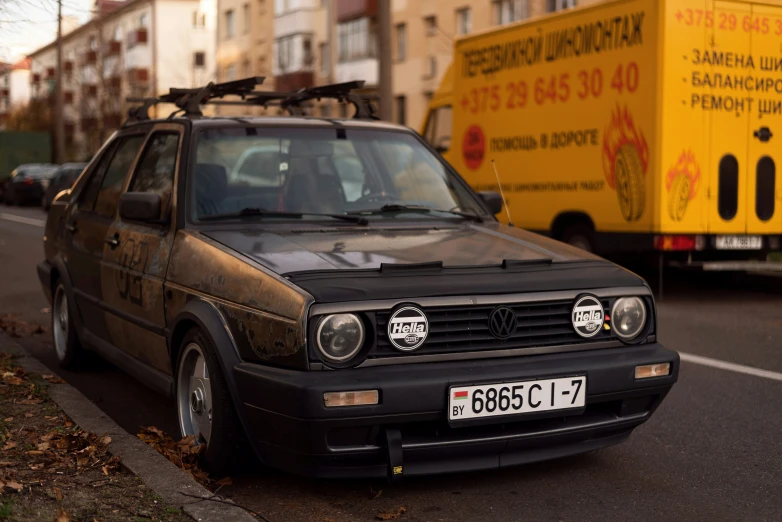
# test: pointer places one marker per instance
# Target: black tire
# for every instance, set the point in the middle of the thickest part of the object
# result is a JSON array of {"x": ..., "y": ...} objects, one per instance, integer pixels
[
  {"x": 227, "y": 450},
  {"x": 579, "y": 236},
  {"x": 67, "y": 348}
]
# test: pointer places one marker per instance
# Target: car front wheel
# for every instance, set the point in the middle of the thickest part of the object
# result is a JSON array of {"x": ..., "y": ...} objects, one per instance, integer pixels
[{"x": 204, "y": 405}]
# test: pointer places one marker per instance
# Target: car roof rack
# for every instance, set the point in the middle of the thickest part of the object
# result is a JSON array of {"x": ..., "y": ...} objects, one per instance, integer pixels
[{"x": 190, "y": 101}]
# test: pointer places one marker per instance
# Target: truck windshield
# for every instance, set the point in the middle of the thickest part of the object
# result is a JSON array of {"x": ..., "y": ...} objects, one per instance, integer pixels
[{"x": 323, "y": 171}]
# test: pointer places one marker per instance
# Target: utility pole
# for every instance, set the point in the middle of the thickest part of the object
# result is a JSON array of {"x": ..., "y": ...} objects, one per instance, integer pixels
[
  {"x": 59, "y": 123},
  {"x": 384, "y": 51}
]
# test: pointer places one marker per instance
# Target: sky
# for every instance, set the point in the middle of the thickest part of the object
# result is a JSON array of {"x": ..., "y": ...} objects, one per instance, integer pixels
[{"x": 26, "y": 25}]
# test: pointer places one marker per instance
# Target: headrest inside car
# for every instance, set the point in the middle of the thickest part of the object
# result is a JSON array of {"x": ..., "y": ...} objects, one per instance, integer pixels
[{"x": 310, "y": 149}]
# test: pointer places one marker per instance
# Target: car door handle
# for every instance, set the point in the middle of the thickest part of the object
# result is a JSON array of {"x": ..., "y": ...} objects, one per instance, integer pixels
[
  {"x": 71, "y": 227},
  {"x": 113, "y": 241}
]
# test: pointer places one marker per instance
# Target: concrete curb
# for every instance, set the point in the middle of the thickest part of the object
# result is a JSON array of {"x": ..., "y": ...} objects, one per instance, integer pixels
[{"x": 157, "y": 473}]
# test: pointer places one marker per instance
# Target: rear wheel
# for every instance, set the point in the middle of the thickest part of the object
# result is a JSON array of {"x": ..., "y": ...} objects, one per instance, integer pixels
[
  {"x": 204, "y": 405},
  {"x": 66, "y": 343},
  {"x": 579, "y": 236}
]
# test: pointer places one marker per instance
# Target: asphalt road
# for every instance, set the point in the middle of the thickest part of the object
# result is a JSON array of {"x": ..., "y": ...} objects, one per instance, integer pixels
[{"x": 712, "y": 451}]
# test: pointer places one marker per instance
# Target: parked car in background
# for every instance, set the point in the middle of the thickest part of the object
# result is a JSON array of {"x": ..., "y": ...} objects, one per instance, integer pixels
[
  {"x": 28, "y": 183},
  {"x": 63, "y": 179}
]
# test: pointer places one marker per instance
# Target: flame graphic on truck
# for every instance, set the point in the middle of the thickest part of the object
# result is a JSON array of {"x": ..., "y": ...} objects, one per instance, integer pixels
[
  {"x": 681, "y": 182},
  {"x": 625, "y": 160}
]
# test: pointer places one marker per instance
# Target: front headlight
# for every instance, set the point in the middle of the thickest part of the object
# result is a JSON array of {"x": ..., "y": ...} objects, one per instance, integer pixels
[
  {"x": 340, "y": 337},
  {"x": 628, "y": 317}
]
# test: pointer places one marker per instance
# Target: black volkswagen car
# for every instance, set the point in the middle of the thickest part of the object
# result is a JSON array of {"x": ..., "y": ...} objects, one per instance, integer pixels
[{"x": 349, "y": 307}]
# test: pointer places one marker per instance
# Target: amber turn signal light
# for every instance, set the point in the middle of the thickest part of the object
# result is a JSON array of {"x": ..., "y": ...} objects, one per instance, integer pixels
[
  {"x": 652, "y": 370},
  {"x": 350, "y": 398}
]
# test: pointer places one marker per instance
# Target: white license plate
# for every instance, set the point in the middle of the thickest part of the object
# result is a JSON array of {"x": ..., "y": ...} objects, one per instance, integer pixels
[
  {"x": 512, "y": 398},
  {"x": 739, "y": 242}
]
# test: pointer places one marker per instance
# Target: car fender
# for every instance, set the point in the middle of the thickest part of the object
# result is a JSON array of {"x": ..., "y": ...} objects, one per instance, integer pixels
[{"x": 207, "y": 317}]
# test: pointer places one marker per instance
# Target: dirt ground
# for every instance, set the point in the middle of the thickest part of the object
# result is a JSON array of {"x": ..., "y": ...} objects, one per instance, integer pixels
[{"x": 50, "y": 469}]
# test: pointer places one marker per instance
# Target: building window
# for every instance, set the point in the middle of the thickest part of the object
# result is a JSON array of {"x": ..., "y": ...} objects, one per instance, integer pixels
[
  {"x": 431, "y": 67},
  {"x": 284, "y": 53},
  {"x": 195, "y": 19},
  {"x": 246, "y": 68},
  {"x": 325, "y": 59},
  {"x": 280, "y": 7},
  {"x": 199, "y": 59},
  {"x": 430, "y": 22},
  {"x": 463, "y": 21},
  {"x": 142, "y": 20},
  {"x": 357, "y": 40},
  {"x": 229, "y": 24},
  {"x": 93, "y": 43},
  {"x": 559, "y": 5},
  {"x": 401, "y": 42},
  {"x": 246, "y": 15},
  {"x": 230, "y": 73},
  {"x": 306, "y": 47},
  {"x": 401, "y": 110},
  {"x": 507, "y": 11},
  {"x": 199, "y": 20}
]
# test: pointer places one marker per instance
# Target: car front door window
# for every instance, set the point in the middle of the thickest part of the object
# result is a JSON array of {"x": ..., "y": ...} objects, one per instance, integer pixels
[
  {"x": 155, "y": 172},
  {"x": 111, "y": 185}
]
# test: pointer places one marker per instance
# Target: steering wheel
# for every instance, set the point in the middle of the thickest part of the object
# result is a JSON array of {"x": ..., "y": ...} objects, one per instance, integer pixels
[{"x": 373, "y": 197}]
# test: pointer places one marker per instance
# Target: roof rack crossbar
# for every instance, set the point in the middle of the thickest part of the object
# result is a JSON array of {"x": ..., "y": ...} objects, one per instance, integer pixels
[{"x": 189, "y": 101}]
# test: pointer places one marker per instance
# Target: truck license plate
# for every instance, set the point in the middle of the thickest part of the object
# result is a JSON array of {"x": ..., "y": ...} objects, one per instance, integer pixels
[
  {"x": 739, "y": 242},
  {"x": 511, "y": 398}
]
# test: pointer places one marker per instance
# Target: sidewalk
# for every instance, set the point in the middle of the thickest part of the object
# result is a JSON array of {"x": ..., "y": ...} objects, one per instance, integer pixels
[{"x": 63, "y": 459}]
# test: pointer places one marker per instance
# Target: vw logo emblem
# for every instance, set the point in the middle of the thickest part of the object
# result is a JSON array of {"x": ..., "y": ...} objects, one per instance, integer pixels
[{"x": 502, "y": 322}]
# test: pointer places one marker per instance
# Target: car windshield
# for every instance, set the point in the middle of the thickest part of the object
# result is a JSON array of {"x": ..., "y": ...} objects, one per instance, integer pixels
[{"x": 322, "y": 171}]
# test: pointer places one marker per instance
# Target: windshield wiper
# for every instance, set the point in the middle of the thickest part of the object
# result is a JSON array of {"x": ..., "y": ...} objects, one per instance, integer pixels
[
  {"x": 261, "y": 212},
  {"x": 397, "y": 207}
]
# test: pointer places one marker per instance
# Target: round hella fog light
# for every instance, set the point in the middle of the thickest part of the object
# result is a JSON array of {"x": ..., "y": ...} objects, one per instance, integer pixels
[
  {"x": 628, "y": 317},
  {"x": 340, "y": 336}
]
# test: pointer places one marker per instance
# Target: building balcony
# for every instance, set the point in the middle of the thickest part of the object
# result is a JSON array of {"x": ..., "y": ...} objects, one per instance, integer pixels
[
  {"x": 112, "y": 120},
  {"x": 294, "y": 81},
  {"x": 365, "y": 69},
  {"x": 89, "y": 90},
  {"x": 5, "y": 92},
  {"x": 36, "y": 78},
  {"x": 112, "y": 48},
  {"x": 51, "y": 72},
  {"x": 67, "y": 67},
  {"x": 137, "y": 37},
  {"x": 89, "y": 58},
  {"x": 352, "y": 9},
  {"x": 67, "y": 97},
  {"x": 138, "y": 77},
  {"x": 113, "y": 82}
]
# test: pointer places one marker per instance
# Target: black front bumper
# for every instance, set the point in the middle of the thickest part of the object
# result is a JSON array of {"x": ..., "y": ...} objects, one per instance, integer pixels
[{"x": 293, "y": 430}]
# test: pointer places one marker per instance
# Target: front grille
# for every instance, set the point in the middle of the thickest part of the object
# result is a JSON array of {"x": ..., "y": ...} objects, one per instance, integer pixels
[{"x": 454, "y": 329}]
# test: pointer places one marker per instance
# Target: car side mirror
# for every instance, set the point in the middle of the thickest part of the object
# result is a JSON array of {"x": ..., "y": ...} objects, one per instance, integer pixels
[
  {"x": 493, "y": 200},
  {"x": 140, "y": 206}
]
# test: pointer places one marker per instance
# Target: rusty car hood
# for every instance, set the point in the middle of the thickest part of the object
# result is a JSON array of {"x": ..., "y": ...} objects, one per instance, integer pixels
[
  {"x": 352, "y": 264},
  {"x": 291, "y": 251}
]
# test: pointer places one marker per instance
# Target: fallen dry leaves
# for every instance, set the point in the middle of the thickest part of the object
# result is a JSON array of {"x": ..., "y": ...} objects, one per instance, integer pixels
[
  {"x": 185, "y": 454},
  {"x": 392, "y": 515},
  {"x": 12, "y": 325}
]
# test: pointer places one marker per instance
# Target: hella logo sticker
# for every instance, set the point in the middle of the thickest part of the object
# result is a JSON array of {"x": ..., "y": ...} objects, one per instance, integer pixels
[
  {"x": 408, "y": 328},
  {"x": 588, "y": 316}
]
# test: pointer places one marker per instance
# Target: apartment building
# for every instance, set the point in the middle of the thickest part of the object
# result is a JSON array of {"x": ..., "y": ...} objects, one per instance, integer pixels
[
  {"x": 14, "y": 87},
  {"x": 130, "y": 48},
  {"x": 244, "y": 39}
]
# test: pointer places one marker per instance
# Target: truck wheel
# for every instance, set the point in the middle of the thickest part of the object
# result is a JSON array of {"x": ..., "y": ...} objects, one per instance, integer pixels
[
  {"x": 204, "y": 405},
  {"x": 679, "y": 197},
  {"x": 630, "y": 182},
  {"x": 66, "y": 342},
  {"x": 579, "y": 236}
]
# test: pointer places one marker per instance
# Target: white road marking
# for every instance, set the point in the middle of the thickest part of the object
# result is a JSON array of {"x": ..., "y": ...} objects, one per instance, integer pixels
[
  {"x": 22, "y": 219},
  {"x": 731, "y": 367}
]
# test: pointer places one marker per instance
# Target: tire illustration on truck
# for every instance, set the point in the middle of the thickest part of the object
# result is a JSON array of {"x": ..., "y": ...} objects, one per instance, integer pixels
[
  {"x": 681, "y": 182},
  {"x": 625, "y": 160}
]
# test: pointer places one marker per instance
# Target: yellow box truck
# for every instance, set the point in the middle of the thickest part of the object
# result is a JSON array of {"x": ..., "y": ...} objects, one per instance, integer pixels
[{"x": 633, "y": 125}]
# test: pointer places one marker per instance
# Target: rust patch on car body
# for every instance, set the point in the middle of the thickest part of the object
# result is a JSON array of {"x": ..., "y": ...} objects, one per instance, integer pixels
[{"x": 265, "y": 312}]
